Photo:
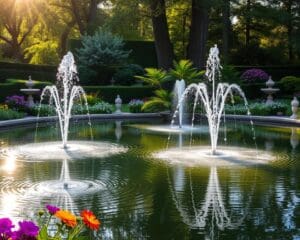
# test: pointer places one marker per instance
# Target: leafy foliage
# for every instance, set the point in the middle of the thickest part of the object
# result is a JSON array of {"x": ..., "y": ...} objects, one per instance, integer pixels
[
  {"x": 135, "y": 105},
  {"x": 160, "y": 102},
  {"x": 290, "y": 84},
  {"x": 260, "y": 109},
  {"x": 102, "y": 49},
  {"x": 100, "y": 54},
  {"x": 43, "y": 53},
  {"x": 126, "y": 74},
  {"x": 6, "y": 114},
  {"x": 154, "y": 77},
  {"x": 184, "y": 70}
]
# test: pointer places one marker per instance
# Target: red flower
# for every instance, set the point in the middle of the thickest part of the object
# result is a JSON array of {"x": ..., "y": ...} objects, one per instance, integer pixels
[{"x": 90, "y": 220}]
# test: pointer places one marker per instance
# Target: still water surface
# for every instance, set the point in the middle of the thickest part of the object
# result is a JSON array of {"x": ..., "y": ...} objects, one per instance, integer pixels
[{"x": 142, "y": 197}]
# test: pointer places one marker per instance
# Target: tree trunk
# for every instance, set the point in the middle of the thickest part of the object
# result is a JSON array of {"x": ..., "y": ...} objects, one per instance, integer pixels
[
  {"x": 226, "y": 31},
  {"x": 198, "y": 33},
  {"x": 77, "y": 17},
  {"x": 290, "y": 30},
  {"x": 92, "y": 15},
  {"x": 64, "y": 38},
  {"x": 248, "y": 23},
  {"x": 163, "y": 46},
  {"x": 16, "y": 50}
]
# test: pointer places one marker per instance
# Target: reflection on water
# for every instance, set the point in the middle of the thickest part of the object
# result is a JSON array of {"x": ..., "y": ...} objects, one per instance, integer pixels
[
  {"x": 211, "y": 212},
  {"x": 142, "y": 197}
]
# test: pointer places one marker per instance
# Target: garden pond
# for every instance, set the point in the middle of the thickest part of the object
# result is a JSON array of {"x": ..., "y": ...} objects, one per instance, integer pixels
[{"x": 140, "y": 196}]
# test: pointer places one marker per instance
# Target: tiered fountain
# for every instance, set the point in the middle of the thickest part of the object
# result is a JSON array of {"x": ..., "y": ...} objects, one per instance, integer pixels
[{"x": 270, "y": 91}]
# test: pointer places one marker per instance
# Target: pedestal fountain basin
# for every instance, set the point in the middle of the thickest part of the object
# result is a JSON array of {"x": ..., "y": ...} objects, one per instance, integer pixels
[
  {"x": 269, "y": 92},
  {"x": 55, "y": 151},
  {"x": 30, "y": 92},
  {"x": 224, "y": 156}
]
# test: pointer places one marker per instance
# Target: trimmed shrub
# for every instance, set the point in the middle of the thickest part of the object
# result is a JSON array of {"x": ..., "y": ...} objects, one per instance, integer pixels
[
  {"x": 260, "y": 109},
  {"x": 290, "y": 84},
  {"x": 100, "y": 107},
  {"x": 43, "y": 110},
  {"x": 6, "y": 114},
  {"x": 109, "y": 93},
  {"x": 22, "y": 71},
  {"x": 254, "y": 75},
  {"x": 126, "y": 75}
]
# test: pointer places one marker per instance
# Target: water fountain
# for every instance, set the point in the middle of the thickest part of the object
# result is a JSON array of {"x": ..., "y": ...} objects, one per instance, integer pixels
[
  {"x": 62, "y": 97},
  {"x": 178, "y": 91},
  {"x": 270, "y": 91},
  {"x": 213, "y": 97},
  {"x": 30, "y": 91},
  {"x": 214, "y": 103},
  {"x": 65, "y": 93}
]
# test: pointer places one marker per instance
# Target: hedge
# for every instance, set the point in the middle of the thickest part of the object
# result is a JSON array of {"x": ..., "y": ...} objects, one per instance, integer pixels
[
  {"x": 22, "y": 71},
  {"x": 127, "y": 93},
  {"x": 106, "y": 93},
  {"x": 143, "y": 52},
  {"x": 13, "y": 86}
]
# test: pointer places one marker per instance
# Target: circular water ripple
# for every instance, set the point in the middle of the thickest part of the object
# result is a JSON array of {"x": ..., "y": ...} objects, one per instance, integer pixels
[
  {"x": 75, "y": 150},
  {"x": 225, "y": 156}
]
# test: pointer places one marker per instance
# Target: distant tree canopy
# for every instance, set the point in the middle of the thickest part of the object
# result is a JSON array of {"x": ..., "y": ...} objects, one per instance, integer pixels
[{"x": 247, "y": 31}]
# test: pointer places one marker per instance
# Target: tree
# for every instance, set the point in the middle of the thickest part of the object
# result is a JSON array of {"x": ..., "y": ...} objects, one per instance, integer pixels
[
  {"x": 198, "y": 32},
  {"x": 226, "y": 29},
  {"x": 17, "y": 20},
  {"x": 164, "y": 48}
]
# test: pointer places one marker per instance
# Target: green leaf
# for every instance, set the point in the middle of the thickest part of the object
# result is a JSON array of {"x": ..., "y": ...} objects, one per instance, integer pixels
[{"x": 43, "y": 234}]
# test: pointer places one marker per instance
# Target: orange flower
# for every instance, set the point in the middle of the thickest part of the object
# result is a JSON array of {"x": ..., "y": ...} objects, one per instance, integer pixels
[
  {"x": 66, "y": 217},
  {"x": 90, "y": 220}
]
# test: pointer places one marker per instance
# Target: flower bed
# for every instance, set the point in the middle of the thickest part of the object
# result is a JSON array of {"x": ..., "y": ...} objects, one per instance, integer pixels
[{"x": 63, "y": 224}]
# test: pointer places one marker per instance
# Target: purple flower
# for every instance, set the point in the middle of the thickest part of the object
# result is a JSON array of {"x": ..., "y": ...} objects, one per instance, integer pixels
[
  {"x": 28, "y": 231},
  {"x": 5, "y": 228},
  {"x": 52, "y": 209},
  {"x": 15, "y": 101},
  {"x": 254, "y": 74}
]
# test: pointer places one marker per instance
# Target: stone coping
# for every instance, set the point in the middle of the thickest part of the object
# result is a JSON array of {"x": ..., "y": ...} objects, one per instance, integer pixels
[
  {"x": 261, "y": 120},
  {"x": 264, "y": 120}
]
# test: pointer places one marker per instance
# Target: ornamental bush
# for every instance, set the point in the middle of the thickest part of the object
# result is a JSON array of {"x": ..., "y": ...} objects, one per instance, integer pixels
[
  {"x": 100, "y": 53},
  {"x": 260, "y": 109},
  {"x": 290, "y": 84},
  {"x": 126, "y": 74},
  {"x": 254, "y": 75},
  {"x": 135, "y": 105},
  {"x": 6, "y": 114},
  {"x": 16, "y": 102}
]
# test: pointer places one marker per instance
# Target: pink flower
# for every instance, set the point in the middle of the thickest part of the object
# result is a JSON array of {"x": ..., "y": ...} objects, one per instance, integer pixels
[{"x": 52, "y": 209}]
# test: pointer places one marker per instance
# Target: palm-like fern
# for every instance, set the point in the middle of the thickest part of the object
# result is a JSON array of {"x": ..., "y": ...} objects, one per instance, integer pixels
[
  {"x": 160, "y": 102},
  {"x": 155, "y": 77},
  {"x": 184, "y": 70}
]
